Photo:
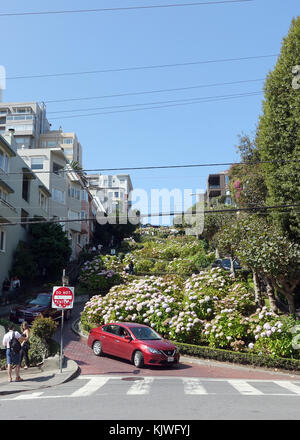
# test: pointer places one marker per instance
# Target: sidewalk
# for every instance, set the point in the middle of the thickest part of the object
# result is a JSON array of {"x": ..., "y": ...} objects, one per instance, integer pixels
[
  {"x": 44, "y": 376},
  {"x": 36, "y": 378}
]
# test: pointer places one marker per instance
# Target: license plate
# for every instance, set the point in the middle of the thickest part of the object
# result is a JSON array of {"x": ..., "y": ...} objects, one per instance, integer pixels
[
  {"x": 21, "y": 319},
  {"x": 170, "y": 359}
]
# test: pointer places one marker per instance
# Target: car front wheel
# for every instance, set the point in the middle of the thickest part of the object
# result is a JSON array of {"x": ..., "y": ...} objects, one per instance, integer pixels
[
  {"x": 97, "y": 348},
  {"x": 138, "y": 359}
]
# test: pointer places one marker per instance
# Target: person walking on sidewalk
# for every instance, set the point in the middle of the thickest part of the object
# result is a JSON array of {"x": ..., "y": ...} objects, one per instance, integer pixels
[
  {"x": 5, "y": 290},
  {"x": 25, "y": 344},
  {"x": 12, "y": 358}
]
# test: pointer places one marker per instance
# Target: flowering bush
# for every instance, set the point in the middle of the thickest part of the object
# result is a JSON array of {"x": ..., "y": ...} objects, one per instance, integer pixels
[
  {"x": 227, "y": 330},
  {"x": 271, "y": 334},
  {"x": 210, "y": 308},
  {"x": 98, "y": 274}
]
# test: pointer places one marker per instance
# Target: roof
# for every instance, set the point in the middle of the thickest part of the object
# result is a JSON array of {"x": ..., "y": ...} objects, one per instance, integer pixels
[
  {"x": 127, "y": 324},
  {"x": 7, "y": 147}
]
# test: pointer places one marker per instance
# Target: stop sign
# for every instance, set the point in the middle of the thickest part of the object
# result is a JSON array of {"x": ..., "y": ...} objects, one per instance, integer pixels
[{"x": 62, "y": 297}]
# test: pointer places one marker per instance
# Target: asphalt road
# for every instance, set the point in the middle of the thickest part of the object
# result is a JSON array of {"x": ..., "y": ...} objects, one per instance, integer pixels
[{"x": 157, "y": 398}]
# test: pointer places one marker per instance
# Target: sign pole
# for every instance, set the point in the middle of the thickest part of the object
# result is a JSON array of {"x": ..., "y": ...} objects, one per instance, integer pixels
[{"x": 62, "y": 324}]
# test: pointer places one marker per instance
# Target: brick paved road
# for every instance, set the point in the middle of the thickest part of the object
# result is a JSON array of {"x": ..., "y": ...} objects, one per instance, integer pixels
[{"x": 76, "y": 348}]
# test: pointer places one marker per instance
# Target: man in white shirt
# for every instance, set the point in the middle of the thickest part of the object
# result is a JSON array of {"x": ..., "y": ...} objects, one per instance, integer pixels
[{"x": 12, "y": 358}]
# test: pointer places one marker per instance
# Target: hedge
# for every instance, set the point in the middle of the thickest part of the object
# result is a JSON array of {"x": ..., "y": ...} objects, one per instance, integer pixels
[{"x": 238, "y": 357}]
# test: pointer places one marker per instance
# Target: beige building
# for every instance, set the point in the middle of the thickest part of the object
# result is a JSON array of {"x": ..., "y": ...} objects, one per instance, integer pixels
[
  {"x": 67, "y": 141},
  {"x": 27, "y": 119},
  {"x": 22, "y": 196}
]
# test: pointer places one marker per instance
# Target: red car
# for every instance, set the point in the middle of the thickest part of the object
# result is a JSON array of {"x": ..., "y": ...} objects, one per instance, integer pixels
[{"x": 137, "y": 343}]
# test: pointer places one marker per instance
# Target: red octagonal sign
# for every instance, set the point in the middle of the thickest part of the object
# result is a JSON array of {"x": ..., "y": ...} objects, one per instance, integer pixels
[{"x": 62, "y": 297}]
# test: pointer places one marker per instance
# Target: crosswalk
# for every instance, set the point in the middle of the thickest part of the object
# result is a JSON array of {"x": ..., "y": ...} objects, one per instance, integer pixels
[{"x": 91, "y": 385}]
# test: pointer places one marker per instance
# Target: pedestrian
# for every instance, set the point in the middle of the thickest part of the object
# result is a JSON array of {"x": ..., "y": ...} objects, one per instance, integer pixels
[
  {"x": 12, "y": 356},
  {"x": 25, "y": 345},
  {"x": 5, "y": 290},
  {"x": 15, "y": 287},
  {"x": 131, "y": 268}
]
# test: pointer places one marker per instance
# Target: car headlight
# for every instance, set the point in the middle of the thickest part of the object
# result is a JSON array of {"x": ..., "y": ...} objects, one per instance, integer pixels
[
  {"x": 36, "y": 313},
  {"x": 153, "y": 350}
]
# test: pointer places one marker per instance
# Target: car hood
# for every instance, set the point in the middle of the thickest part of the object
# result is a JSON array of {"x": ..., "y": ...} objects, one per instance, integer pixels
[
  {"x": 29, "y": 308},
  {"x": 161, "y": 344}
]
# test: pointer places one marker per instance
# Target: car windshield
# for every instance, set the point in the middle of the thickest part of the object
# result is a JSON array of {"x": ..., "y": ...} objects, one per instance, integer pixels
[
  {"x": 41, "y": 300},
  {"x": 226, "y": 263},
  {"x": 145, "y": 333}
]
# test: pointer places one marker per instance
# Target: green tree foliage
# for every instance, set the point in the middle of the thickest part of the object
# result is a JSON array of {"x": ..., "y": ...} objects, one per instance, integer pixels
[
  {"x": 45, "y": 254},
  {"x": 279, "y": 132},
  {"x": 247, "y": 181}
]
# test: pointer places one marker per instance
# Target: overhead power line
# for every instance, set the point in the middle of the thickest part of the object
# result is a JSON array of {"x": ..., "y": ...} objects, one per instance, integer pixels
[
  {"x": 179, "y": 103},
  {"x": 161, "y": 214},
  {"x": 127, "y": 8},
  {"x": 158, "y": 167},
  {"x": 161, "y": 104},
  {"x": 132, "y": 68},
  {"x": 146, "y": 92}
]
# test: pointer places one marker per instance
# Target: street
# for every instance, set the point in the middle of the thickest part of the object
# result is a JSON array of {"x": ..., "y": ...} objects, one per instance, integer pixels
[{"x": 95, "y": 397}]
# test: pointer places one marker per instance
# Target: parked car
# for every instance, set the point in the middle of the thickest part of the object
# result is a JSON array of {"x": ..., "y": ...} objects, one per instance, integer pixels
[
  {"x": 137, "y": 343},
  {"x": 224, "y": 263},
  {"x": 39, "y": 306}
]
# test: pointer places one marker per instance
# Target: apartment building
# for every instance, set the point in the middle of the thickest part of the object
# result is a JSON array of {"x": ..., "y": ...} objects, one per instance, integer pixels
[
  {"x": 33, "y": 130},
  {"x": 67, "y": 141},
  {"x": 22, "y": 196},
  {"x": 27, "y": 119},
  {"x": 217, "y": 186},
  {"x": 111, "y": 192},
  {"x": 66, "y": 188}
]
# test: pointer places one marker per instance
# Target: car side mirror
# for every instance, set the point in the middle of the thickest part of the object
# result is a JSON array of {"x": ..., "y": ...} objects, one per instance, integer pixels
[{"x": 127, "y": 338}]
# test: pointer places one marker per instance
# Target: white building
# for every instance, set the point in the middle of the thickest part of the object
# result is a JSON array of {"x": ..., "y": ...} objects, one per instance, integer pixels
[
  {"x": 112, "y": 192},
  {"x": 22, "y": 196}
]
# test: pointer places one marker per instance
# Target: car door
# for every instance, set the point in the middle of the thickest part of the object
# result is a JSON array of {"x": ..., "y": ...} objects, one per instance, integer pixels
[
  {"x": 107, "y": 339},
  {"x": 123, "y": 347}
]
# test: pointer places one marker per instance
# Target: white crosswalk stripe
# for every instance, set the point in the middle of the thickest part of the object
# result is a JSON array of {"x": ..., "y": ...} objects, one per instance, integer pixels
[
  {"x": 145, "y": 385},
  {"x": 193, "y": 386},
  {"x": 141, "y": 386},
  {"x": 244, "y": 387},
  {"x": 91, "y": 386}
]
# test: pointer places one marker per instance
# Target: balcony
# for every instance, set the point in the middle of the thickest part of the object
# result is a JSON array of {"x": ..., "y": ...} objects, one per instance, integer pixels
[{"x": 8, "y": 213}]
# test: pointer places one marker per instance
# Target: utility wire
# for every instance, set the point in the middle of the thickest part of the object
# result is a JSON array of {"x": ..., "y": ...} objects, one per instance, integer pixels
[
  {"x": 160, "y": 214},
  {"x": 184, "y": 100},
  {"x": 126, "y": 69},
  {"x": 196, "y": 101},
  {"x": 119, "y": 95},
  {"x": 127, "y": 8},
  {"x": 157, "y": 167}
]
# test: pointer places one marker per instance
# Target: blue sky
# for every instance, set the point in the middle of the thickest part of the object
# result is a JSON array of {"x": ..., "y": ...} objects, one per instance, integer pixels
[{"x": 199, "y": 133}]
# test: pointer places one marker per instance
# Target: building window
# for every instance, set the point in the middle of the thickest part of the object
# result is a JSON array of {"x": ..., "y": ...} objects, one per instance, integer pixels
[
  {"x": 3, "y": 195},
  {"x": 44, "y": 144},
  {"x": 73, "y": 215},
  {"x": 24, "y": 218},
  {"x": 43, "y": 201},
  {"x": 57, "y": 168},
  {"x": 2, "y": 240},
  {"x": 37, "y": 163},
  {"x": 68, "y": 151},
  {"x": 68, "y": 141},
  {"x": 58, "y": 196},
  {"x": 25, "y": 188},
  {"x": 52, "y": 143},
  {"x": 4, "y": 161},
  {"x": 116, "y": 194}
]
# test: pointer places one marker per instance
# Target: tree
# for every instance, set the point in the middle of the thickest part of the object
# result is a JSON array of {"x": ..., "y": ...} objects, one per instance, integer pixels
[
  {"x": 50, "y": 248},
  {"x": 247, "y": 181},
  {"x": 278, "y": 135},
  {"x": 272, "y": 255}
]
